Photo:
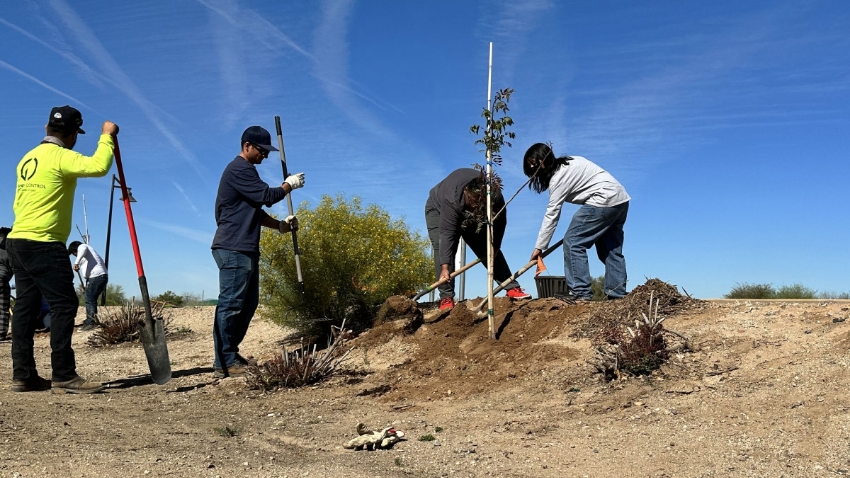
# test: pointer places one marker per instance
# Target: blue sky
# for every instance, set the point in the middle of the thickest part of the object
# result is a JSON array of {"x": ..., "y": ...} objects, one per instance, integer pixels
[{"x": 722, "y": 119}]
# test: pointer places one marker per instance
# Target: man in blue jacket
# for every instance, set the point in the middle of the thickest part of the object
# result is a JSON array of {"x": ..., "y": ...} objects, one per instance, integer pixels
[{"x": 239, "y": 215}]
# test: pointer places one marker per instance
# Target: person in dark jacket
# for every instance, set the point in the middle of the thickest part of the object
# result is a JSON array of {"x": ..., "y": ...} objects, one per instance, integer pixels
[
  {"x": 5, "y": 289},
  {"x": 454, "y": 209},
  {"x": 236, "y": 246}
]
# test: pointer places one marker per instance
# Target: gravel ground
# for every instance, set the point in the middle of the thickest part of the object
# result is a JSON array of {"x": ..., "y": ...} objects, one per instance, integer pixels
[{"x": 763, "y": 394}]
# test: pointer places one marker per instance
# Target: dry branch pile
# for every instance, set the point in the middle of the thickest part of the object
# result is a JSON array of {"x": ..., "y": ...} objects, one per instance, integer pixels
[
  {"x": 620, "y": 313},
  {"x": 640, "y": 352},
  {"x": 120, "y": 325},
  {"x": 303, "y": 366}
]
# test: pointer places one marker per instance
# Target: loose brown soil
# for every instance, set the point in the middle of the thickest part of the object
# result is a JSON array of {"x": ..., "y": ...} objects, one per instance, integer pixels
[{"x": 763, "y": 394}]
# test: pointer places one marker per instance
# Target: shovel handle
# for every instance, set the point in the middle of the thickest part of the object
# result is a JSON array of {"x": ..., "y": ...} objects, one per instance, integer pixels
[
  {"x": 289, "y": 205},
  {"x": 443, "y": 281},
  {"x": 163, "y": 371},
  {"x": 518, "y": 273}
]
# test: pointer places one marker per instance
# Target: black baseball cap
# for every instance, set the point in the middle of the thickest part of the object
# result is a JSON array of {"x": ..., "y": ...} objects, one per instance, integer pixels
[
  {"x": 257, "y": 135},
  {"x": 66, "y": 119}
]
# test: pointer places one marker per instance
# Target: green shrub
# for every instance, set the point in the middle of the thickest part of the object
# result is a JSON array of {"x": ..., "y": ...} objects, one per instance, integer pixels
[
  {"x": 114, "y": 295},
  {"x": 834, "y": 295},
  {"x": 767, "y": 291},
  {"x": 751, "y": 291},
  {"x": 170, "y": 298},
  {"x": 795, "y": 291},
  {"x": 352, "y": 259},
  {"x": 597, "y": 287}
]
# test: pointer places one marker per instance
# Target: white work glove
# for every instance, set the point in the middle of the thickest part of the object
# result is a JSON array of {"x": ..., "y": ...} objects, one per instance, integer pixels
[
  {"x": 290, "y": 221},
  {"x": 295, "y": 181}
]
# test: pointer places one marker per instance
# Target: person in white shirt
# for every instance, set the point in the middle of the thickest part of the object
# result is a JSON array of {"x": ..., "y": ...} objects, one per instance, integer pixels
[
  {"x": 89, "y": 262},
  {"x": 598, "y": 222}
]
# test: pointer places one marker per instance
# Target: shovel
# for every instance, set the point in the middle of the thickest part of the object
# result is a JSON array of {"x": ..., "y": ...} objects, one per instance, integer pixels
[
  {"x": 151, "y": 331},
  {"x": 518, "y": 273},
  {"x": 443, "y": 281}
]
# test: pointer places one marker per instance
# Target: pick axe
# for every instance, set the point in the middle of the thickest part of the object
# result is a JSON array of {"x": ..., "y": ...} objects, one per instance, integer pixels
[{"x": 151, "y": 331}]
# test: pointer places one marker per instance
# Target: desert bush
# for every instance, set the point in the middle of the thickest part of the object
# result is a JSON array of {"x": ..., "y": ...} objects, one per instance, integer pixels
[
  {"x": 118, "y": 325},
  {"x": 299, "y": 367},
  {"x": 352, "y": 260},
  {"x": 834, "y": 295},
  {"x": 115, "y": 295},
  {"x": 767, "y": 291},
  {"x": 751, "y": 291},
  {"x": 597, "y": 287},
  {"x": 795, "y": 291},
  {"x": 170, "y": 298}
]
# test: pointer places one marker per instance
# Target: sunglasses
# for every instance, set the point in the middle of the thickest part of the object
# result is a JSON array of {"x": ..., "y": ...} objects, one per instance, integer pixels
[{"x": 264, "y": 152}]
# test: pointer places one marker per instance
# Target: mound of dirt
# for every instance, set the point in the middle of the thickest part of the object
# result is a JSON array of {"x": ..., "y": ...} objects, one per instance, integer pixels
[
  {"x": 666, "y": 300},
  {"x": 452, "y": 353}
]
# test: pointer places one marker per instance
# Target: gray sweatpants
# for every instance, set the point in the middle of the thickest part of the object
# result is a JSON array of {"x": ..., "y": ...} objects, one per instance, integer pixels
[{"x": 476, "y": 241}]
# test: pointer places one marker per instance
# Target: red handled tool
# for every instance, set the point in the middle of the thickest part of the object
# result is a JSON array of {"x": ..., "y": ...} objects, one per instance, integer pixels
[{"x": 151, "y": 331}]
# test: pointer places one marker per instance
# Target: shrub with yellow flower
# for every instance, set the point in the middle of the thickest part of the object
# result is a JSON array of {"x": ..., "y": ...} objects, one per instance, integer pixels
[{"x": 352, "y": 259}]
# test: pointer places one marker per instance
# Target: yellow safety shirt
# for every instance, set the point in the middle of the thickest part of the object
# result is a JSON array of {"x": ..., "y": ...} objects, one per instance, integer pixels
[{"x": 47, "y": 180}]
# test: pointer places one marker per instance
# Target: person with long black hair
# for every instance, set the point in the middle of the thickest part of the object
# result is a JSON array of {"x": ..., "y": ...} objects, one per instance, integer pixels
[{"x": 598, "y": 222}]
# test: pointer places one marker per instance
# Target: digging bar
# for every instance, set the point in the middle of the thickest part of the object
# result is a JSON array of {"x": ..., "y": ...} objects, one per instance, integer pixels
[
  {"x": 151, "y": 331},
  {"x": 443, "y": 281},
  {"x": 518, "y": 273},
  {"x": 289, "y": 205}
]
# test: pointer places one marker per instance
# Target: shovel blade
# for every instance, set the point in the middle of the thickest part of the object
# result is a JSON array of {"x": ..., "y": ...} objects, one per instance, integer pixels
[{"x": 152, "y": 335}]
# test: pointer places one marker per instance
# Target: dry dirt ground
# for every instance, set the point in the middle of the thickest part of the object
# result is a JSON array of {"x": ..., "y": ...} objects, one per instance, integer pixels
[{"x": 764, "y": 392}]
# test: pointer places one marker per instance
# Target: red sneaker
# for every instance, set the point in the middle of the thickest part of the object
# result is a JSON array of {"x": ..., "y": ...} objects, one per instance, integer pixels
[
  {"x": 518, "y": 293},
  {"x": 447, "y": 304}
]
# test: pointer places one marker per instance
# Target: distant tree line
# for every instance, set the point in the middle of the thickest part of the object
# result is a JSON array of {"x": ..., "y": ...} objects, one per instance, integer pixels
[{"x": 767, "y": 291}]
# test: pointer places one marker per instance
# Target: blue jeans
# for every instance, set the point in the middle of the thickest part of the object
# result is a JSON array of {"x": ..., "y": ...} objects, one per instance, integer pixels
[
  {"x": 94, "y": 288},
  {"x": 601, "y": 227},
  {"x": 238, "y": 298}
]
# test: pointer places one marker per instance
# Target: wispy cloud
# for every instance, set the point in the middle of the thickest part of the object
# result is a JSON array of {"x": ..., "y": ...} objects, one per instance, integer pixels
[
  {"x": 658, "y": 96},
  {"x": 92, "y": 76},
  {"x": 196, "y": 235},
  {"x": 331, "y": 48},
  {"x": 122, "y": 81},
  {"x": 86, "y": 71},
  {"x": 185, "y": 196},
  {"x": 249, "y": 22},
  {"x": 41, "y": 83}
]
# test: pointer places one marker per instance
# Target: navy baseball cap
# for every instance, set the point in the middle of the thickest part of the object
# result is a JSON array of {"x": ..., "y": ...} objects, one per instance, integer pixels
[
  {"x": 257, "y": 135},
  {"x": 66, "y": 119}
]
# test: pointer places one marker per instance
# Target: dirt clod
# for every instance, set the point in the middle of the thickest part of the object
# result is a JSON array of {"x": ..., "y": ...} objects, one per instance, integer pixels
[{"x": 399, "y": 307}]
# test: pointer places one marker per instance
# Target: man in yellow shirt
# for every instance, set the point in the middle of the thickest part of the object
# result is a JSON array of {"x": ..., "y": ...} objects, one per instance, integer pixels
[{"x": 44, "y": 201}]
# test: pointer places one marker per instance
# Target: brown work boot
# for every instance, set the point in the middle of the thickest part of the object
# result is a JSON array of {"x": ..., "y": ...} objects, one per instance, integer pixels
[
  {"x": 77, "y": 385},
  {"x": 34, "y": 384},
  {"x": 246, "y": 361},
  {"x": 236, "y": 370}
]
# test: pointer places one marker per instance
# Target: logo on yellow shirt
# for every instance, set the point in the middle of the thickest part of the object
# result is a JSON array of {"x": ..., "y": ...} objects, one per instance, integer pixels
[{"x": 26, "y": 173}]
